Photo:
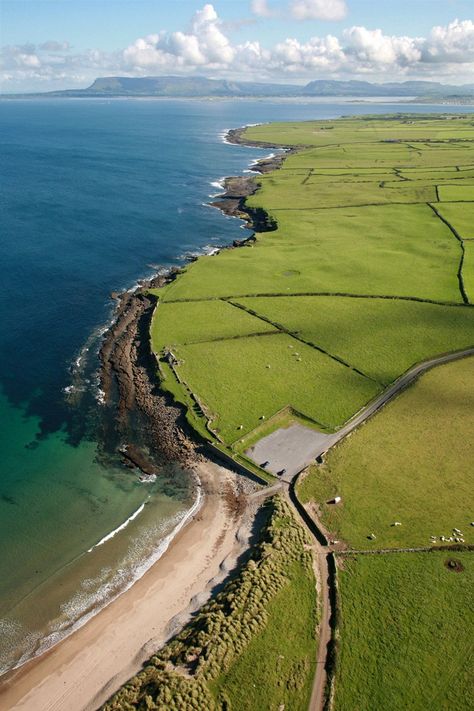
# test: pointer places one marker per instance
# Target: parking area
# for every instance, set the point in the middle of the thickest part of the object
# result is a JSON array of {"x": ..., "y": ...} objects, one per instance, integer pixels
[{"x": 289, "y": 450}]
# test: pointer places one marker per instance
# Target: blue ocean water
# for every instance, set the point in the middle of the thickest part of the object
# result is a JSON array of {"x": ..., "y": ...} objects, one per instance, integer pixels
[{"x": 95, "y": 195}]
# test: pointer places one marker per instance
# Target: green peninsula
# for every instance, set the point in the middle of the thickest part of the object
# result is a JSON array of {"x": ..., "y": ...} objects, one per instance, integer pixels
[
  {"x": 325, "y": 324},
  {"x": 368, "y": 272}
]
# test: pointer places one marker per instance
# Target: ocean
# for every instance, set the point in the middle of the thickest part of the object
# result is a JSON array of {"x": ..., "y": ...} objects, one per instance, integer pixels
[{"x": 96, "y": 194}]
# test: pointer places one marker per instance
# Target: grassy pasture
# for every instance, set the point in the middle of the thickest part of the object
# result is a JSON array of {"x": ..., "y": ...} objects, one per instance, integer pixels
[
  {"x": 201, "y": 321},
  {"x": 460, "y": 215},
  {"x": 369, "y": 250},
  {"x": 456, "y": 193},
  {"x": 291, "y": 193},
  {"x": 380, "y": 337},
  {"x": 468, "y": 270},
  {"x": 363, "y": 130},
  {"x": 410, "y": 463},
  {"x": 406, "y": 633},
  {"x": 233, "y": 379},
  {"x": 317, "y": 178}
]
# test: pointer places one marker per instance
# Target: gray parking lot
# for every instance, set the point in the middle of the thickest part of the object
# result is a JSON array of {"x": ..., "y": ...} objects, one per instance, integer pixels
[{"x": 291, "y": 448}]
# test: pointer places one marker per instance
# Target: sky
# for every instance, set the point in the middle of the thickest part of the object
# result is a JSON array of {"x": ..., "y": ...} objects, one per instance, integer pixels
[{"x": 58, "y": 44}]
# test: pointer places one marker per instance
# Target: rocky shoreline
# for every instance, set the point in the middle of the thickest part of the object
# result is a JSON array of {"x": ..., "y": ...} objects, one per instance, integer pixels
[
  {"x": 129, "y": 381},
  {"x": 238, "y": 188},
  {"x": 129, "y": 377}
]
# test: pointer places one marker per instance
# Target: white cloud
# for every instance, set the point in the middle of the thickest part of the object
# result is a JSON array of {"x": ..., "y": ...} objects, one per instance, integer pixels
[
  {"x": 371, "y": 48},
  {"x": 318, "y": 9},
  {"x": 204, "y": 47},
  {"x": 54, "y": 46},
  {"x": 318, "y": 54},
  {"x": 262, "y": 9},
  {"x": 453, "y": 43}
]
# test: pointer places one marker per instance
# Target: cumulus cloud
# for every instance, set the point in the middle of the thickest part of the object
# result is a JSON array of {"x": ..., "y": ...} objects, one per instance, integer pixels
[
  {"x": 262, "y": 9},
  {"x": 318, "y": 9},
  {"x": 453, "y": 43},
  {"x": 54, "y": 46},
  {"x": 358, "y": 51},
  {"x": 373, "y": 49},
  {"x": 205, "y": 47}
]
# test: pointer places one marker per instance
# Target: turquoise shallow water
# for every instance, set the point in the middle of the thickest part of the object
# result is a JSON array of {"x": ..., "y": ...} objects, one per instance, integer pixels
[{"x": 95, "y": 195}]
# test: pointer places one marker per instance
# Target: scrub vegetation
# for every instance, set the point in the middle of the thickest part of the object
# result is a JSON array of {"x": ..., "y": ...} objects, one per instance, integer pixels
[{"x": 230, "y": 656}]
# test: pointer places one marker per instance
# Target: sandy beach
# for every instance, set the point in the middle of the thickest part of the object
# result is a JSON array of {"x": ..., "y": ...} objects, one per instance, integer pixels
[{"x": 83, "y": 670}]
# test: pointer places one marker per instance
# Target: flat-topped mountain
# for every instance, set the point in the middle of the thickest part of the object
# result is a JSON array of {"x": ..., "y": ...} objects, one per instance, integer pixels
[{"x": 195, "y": 86}]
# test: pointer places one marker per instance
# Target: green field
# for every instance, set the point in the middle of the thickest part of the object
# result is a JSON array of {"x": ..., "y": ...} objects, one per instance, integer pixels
[
  {"x": 229, "y": 655},
  {"x": 368, "y": 250},
  {"x": 406, "y": 633},
  {"x": 255, "y": 377},
  {"x": 460, "y": 215},
  {"x": 362, "y": 210},
  {"x": 456, "y": 193},
  {"x": 412, "y": 463},
  {"x": 367, "y": 129},
  {"x": 201, "y": 321},
  {"x": 371, "y": 334}
]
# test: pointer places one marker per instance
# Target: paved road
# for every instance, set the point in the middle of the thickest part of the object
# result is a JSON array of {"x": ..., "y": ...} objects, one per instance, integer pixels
[
  {"x": 304, "y": 445},
  {"x": 320, "y": 551},
  {"x": 400, "y": 384}
]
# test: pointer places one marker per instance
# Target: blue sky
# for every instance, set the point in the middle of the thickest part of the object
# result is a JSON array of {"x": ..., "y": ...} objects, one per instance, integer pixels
[{"x": 62, "y": 43}]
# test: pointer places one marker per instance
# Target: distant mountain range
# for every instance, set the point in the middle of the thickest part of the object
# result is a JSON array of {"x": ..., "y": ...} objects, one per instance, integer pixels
[{"x": 171, "y": 86}]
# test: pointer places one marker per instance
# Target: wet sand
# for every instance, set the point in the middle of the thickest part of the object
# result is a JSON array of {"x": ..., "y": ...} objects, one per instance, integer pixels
[{"x": 83, "y": 670}]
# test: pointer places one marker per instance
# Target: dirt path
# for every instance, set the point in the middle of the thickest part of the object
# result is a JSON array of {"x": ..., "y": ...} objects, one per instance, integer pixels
[{"x": 321, "y": 574}]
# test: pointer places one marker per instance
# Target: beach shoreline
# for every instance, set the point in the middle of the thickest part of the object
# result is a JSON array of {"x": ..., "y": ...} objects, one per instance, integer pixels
[
  {"x": 127, "y": 385},
  {"x": 85, "y": 668}
]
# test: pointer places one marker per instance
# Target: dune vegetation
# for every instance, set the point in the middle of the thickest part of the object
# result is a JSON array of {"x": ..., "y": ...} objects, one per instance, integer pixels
[{"x": 230, "y": 655}]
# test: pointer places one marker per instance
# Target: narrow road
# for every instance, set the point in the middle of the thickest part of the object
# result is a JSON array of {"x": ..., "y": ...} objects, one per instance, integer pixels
[
  {"x": 400, "y": 384},
  {"x": 323, "y": 444},
  {"x": 321, "y": 574},
  {"x": 320, "y": 544}
]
